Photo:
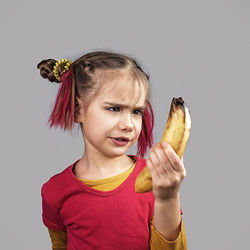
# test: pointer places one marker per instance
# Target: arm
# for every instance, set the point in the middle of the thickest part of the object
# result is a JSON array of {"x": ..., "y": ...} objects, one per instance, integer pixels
[
  {"x": 58, "y": 239},
  {"x": 168, "y": 218},
  {"x": 167, "y": 171}
]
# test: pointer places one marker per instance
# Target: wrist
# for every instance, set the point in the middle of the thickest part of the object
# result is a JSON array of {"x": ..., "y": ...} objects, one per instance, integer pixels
[{"x": 169, "y": 200}]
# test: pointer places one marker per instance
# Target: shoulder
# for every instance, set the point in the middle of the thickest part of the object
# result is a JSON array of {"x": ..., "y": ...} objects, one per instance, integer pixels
[
  {"x": 56, "y": 183},
  {"x": 140, "y": 162}
]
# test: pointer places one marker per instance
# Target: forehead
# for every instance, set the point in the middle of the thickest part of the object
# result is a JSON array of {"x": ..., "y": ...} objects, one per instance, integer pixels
[{"x": 123, "y": 87}]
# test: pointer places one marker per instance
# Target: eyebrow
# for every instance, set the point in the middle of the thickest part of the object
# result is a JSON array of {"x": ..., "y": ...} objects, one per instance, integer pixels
[{"x": 123, "y": 105}]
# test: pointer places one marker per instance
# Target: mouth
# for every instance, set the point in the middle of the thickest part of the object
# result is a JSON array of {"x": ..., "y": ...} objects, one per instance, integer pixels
[
  {"x": 124, "y": 139},
  {"x": 120, "y": 140}
]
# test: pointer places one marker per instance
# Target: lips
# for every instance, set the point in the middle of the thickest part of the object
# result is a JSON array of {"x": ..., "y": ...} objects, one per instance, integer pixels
[
  {"x": 123, "y": 138},
  {"x": 120, "y": 141}
]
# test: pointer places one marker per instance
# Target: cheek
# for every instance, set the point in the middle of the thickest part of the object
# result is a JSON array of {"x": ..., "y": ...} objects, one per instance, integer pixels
[
  {"x": 101, "y": 122},
  {"x": 138, "y": 126},
  {"x": 93, "y": 123}
]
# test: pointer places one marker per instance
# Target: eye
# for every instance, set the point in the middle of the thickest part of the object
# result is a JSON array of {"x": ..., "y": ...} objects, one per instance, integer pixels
[
  {"x": 138, "y": 112},
  {"x": 114, "y": 109}
]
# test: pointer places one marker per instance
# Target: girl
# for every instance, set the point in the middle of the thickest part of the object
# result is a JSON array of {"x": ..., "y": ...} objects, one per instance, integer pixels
[{"x": 92, "y": 204}]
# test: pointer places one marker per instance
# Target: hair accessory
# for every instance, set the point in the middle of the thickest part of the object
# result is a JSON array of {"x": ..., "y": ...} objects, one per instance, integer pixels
[{"x": 66, "y": 67}]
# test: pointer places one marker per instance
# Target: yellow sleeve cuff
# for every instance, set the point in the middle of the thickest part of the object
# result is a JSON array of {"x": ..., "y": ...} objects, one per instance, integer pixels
[
  {"x": 58, "y": 239},
  {"x": 158, "y": 242}
]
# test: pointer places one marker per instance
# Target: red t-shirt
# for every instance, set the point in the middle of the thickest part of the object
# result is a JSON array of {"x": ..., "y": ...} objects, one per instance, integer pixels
[{"x": 106, "y": 220}]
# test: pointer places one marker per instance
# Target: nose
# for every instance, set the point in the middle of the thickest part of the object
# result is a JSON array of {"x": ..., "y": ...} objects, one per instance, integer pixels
[{"x": 126, "y": 122}]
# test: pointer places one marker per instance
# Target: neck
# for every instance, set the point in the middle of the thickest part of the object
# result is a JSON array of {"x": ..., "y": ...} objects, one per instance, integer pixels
[{"x": 97, "y": 166}]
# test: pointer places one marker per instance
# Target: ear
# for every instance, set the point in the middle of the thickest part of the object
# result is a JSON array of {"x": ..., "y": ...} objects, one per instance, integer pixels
[{"x": 78, "y": 118}]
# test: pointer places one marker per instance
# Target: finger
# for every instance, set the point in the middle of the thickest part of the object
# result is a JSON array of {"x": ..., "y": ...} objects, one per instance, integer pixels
[
  {"x": 174, "y": 159},
  {"x": 160, "y": 153},
  {"x": 153, "y": 156},
  {"x": 164, "y": 165},
  {"x": 155, "y": 161},
  {"x": 151, "y": 169}
]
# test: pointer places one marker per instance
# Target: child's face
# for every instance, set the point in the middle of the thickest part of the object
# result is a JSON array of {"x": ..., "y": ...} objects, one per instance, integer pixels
[{"x": 104, "y": 120}]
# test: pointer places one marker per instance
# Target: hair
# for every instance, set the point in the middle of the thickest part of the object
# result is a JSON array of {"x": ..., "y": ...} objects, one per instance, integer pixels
[{"x": 80, "y": 81}]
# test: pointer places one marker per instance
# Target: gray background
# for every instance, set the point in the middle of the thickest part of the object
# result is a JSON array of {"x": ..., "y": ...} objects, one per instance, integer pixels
[{"x": 195, "y": 49}]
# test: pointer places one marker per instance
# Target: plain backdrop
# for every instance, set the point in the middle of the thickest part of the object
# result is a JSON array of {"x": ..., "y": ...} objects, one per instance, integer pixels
[{"x": 196, "y": 49}]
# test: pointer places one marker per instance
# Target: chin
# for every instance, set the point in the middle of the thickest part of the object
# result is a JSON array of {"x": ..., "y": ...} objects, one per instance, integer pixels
[{"x": 116, "y": 153}]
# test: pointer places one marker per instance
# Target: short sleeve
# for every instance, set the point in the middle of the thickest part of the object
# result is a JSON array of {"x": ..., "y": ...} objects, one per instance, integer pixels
[{"x": 50, "y": 214}]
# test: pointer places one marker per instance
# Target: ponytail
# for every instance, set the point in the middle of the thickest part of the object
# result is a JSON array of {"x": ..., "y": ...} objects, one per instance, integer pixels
[
  {"x": 64, "y": 107},
  {"x": 146, "y": 136},
  {"x": 63, "y": 112}
]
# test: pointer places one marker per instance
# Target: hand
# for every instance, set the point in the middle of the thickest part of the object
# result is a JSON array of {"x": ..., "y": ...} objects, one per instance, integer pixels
[{"x": 167, "y": 171}]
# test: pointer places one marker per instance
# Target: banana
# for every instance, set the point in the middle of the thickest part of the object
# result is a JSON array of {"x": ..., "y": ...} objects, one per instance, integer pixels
[{"x": 176, "y": 133}]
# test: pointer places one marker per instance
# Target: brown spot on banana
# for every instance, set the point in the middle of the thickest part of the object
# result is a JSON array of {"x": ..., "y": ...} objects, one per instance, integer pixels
[{"x": 176, "y": 133}]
